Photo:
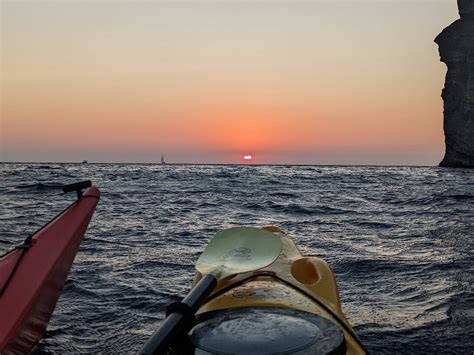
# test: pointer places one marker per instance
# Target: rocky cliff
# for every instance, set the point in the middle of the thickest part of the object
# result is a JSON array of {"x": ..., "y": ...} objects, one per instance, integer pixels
[{"x": 456, "y": 49}]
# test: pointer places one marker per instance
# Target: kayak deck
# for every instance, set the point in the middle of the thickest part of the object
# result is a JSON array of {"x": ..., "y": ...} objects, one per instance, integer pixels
[
  {"x": 291, "y": 282},
  {"x": 32, "y": 275}
]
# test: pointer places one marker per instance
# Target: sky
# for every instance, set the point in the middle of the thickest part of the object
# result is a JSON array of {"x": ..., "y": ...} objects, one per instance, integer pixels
[{"x": 295, "y": 82}]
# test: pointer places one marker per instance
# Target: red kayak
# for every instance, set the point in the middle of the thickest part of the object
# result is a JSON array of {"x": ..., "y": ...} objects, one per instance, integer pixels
[{"x": 33, "y": 274}]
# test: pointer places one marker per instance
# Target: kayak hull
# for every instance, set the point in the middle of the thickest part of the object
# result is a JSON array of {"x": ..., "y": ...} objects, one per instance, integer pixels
[
  {"x": 292, "y": 282},
  {"x": 36, "y": 275}
]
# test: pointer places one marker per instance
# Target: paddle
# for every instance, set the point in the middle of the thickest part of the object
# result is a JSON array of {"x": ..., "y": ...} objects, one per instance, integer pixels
[{"x": 232, "y": 251}]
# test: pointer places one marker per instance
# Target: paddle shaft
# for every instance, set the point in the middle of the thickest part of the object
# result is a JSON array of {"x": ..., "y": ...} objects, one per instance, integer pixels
[{"x": 176, "y": 323}]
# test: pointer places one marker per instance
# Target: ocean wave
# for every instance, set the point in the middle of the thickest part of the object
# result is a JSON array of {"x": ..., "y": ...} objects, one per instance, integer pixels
[
  {"x": 398, "y": 239},
  {"x": 40, "y": 186}
]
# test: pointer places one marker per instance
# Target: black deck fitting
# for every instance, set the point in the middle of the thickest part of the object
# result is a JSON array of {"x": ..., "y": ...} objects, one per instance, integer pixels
[{"x": 78, "y": 186}]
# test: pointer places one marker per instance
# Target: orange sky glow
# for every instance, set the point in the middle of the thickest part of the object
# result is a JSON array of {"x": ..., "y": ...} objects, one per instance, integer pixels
[{"x": 322, "y": 82}]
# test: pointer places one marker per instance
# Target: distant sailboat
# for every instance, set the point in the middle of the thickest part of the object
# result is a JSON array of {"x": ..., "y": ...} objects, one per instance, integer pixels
[
  {"x": 163, "y": 159},
  {"x": 84, "y": 161}
]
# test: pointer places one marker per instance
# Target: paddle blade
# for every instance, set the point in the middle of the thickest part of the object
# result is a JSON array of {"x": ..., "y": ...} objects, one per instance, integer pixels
[{"x": 238, "y": 250}]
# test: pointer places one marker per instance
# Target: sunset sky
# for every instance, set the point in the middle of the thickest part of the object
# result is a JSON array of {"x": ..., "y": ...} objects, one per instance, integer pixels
[{"x": 308, "y": 82}]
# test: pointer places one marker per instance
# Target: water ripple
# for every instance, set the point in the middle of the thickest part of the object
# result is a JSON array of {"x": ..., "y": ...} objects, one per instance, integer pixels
[{"x": 399, "y": 239}]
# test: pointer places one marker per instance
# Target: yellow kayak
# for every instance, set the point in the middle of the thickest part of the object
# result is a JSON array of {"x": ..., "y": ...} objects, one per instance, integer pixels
[{"x": 286, "y": 304}]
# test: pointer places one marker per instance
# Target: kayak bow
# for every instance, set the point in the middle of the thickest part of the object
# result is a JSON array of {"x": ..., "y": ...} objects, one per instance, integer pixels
[
  {"x": 33, "y": 274},
  {"x": 290, "y": 306}
]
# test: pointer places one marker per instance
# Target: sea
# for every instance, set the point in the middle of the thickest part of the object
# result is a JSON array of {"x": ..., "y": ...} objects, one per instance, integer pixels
[{"x": 399, "y": 240}]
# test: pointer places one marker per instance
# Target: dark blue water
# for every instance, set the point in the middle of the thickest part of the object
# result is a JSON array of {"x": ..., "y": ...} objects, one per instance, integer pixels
[{"x": 400, "y": 240}]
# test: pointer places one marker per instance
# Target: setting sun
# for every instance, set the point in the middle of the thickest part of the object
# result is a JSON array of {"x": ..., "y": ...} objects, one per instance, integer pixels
[{"x": 247, "y": 157}]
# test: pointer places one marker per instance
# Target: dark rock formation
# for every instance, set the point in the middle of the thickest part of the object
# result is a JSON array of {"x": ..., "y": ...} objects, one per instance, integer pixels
[{"x": 456, "y": 49}]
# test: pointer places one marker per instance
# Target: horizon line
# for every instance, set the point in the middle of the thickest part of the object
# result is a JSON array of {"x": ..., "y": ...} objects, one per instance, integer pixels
[{"x": 219, "y": 164}]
